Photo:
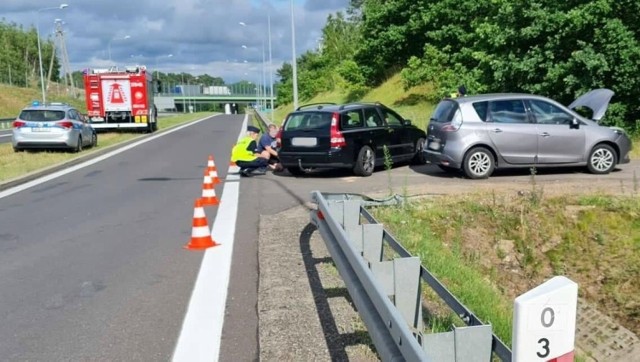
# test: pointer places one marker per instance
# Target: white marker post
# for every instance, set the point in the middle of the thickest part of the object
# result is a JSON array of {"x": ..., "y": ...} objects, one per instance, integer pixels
[{"x": 544, "y": 322}]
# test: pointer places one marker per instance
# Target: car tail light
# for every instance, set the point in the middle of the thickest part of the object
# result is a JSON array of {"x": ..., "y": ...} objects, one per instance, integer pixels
[
  {"x": 337, "y": 139},
  {"x": 18, "y": 123},
  {"x": 65, "y": 124},
  {"x": 455, "y": 124}
]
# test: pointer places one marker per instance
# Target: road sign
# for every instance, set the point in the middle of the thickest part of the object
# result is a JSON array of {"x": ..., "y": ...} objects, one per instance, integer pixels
[{"x": 544, "y": 322}]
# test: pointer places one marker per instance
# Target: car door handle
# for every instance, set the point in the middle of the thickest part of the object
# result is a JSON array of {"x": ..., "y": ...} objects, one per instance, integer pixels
[
  {"x": 497, "y": 130},
  {"x": 545, "y": 134}
]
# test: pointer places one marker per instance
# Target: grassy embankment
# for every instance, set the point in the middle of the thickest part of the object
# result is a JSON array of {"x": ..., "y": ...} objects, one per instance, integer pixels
[
  {"x": 13, "y": 99},
  {"x": 489, "y": 248},
  {"x": 411, "y": 104}
]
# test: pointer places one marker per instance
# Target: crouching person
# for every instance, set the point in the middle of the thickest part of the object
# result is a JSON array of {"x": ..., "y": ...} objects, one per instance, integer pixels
[{"x": 245, "y": 154}]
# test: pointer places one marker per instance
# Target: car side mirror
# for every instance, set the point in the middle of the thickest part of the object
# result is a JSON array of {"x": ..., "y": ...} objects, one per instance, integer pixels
[
  {"x": 575, "y": 124},
  {"x": 407, "y": 122}
]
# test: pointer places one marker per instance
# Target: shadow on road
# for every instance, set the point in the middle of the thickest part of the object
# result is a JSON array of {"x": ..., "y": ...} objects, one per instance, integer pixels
[{"x": 336, "y": 342}]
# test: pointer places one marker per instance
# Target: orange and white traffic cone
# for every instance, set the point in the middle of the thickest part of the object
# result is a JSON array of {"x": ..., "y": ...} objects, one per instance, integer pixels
[
  {"x": 200, "y": 235},
  {"x": 209, "y": 197},
  {"x": 213, "y": 171}
]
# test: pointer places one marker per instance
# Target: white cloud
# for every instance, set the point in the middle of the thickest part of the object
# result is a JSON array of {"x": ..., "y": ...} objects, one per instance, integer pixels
[{"x": 204, "y": 36}]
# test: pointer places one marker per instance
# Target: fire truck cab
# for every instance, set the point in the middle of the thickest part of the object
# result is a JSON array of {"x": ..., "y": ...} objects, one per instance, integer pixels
[{"x": 120, "y": 98}]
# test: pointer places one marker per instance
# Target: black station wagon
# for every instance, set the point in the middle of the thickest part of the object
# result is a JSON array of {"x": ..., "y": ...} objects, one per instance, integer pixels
[{"x": 347, "y": 136}]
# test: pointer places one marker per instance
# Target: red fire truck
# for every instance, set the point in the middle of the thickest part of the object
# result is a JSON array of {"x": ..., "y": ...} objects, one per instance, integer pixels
[{"x": 120, "y": 99}]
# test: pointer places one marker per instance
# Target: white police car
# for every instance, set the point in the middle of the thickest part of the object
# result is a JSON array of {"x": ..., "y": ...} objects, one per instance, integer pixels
[{"x": 52, "y": 125}]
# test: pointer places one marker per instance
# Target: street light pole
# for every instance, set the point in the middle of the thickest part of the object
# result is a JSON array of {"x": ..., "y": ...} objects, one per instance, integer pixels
[
  {"x": 264, "y": 80},
  {"x": 294, "y": 61},
  {"x": 270, "y": 68},
  {"x": 156, "y": 70},
  {"x": 60, "y": 7}
]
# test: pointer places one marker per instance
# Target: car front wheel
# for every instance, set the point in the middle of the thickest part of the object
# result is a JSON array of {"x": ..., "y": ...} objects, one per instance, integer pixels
[
  {"x": 478, "y": 163},
  {"x": 602, "y": 159},
  {"x": 365, "y": 162}
]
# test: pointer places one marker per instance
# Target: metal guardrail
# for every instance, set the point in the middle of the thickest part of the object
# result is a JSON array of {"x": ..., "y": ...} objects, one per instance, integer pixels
[
  {"x": 5, "y": 123},
  {"x": 263, "y": 119},
  {"x": 387, "y": 293}
]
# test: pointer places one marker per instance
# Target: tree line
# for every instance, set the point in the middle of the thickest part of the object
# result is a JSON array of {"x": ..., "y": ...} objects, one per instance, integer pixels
[
  {"x": 560, "y": 49},
  {"x": 19, "y": 64}
]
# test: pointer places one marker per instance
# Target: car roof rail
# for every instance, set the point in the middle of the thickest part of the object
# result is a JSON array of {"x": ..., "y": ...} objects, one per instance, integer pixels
[
  {"x": 319, "y": 104},
  {"x": 377, "y": 103}
]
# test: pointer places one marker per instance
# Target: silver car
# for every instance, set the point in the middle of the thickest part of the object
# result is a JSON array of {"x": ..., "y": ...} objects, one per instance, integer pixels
[
  {"x": 54, "y": 125},
  {"x": 480, "y": 133}
]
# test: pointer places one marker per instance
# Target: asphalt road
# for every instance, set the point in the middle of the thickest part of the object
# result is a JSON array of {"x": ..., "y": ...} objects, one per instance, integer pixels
[{"x": 92, "y": 265}]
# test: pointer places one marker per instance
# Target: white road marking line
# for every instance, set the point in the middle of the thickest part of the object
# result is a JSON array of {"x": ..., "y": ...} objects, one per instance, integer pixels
[
  {"x": 79, "y": 166},
  {"x": 201, "y": 332},
  {"x": 5, "y": 135}
]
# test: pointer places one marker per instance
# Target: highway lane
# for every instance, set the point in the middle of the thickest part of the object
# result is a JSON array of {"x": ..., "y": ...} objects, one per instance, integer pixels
[{"x": 91, "y": 263}]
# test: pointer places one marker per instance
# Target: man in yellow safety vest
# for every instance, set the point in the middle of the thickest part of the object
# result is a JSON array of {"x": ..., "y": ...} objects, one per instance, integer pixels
[{"x": 245, "y": 154}]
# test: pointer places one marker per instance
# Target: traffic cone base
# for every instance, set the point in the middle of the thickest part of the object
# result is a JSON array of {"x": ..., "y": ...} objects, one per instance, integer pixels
[{"x": 200, "y": 234}]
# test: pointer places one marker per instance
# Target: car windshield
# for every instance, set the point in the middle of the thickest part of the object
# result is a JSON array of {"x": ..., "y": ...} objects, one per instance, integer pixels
[
  {"x": 308, "y": 121},
  {"x": 41, "y": 115}
]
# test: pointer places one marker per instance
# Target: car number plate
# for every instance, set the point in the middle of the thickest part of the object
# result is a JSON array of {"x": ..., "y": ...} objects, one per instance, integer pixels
[
  {"x": 39, "y": 129},
  {"x": 304, "y": 141}
]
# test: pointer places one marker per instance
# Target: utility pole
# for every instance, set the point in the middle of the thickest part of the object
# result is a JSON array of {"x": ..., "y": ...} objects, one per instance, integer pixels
[{"x": 66, "y": 67}]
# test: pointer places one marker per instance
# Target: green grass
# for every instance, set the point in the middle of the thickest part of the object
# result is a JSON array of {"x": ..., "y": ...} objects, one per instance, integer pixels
[
  {"x": 17, "y": 164},
  {"x": 411, "y": 104},
  {"x": 13, "y": 99},
  {"x": 488, "y": 249}
]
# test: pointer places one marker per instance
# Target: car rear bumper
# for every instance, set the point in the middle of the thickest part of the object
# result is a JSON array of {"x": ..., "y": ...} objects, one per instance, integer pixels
[
  {"x": 438, "y": 158},
  {"x": 23, "y": 141},
  {"x": 332, "y": 159}
]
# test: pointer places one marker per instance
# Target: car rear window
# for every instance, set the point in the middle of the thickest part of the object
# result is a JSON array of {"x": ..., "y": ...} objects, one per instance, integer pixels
[
  {"x": 444, "y": 111},
  {"x": 41, "y": 115},
  {"x": 308, "y": 121}
]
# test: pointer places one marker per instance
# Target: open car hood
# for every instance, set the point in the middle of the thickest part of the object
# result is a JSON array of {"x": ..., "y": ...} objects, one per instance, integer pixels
[{"x": 596, "y": 100}]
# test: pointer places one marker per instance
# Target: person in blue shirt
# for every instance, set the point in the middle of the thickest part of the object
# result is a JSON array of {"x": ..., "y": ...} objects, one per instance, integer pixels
[{"x": 268, "y": 147}]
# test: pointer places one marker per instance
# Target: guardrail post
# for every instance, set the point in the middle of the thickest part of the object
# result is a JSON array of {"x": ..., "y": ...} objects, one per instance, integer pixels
[
  {"x": 460, "y": 345},
  {"x": 387, "y": 293}
]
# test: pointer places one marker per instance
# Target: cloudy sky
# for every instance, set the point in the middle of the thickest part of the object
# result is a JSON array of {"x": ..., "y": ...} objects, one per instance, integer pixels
[{"x": 202, "y": 36}]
